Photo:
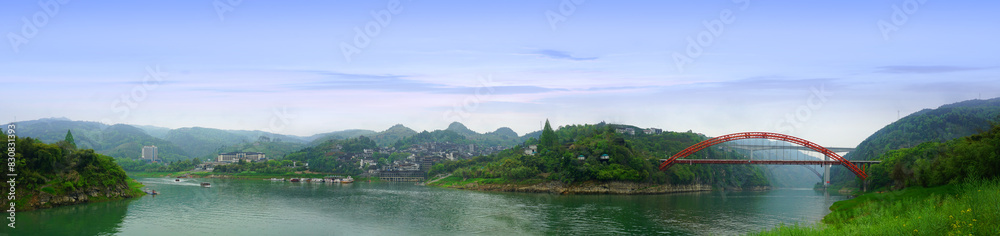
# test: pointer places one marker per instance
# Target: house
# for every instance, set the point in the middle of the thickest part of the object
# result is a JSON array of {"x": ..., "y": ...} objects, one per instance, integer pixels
[
  {"x": 605, "y": 157},
  {"x": 581, "y": 158},
  {"x": 531, "y": 150},
  {"x": 629, "y": 131},
  {"x": 652, "y": 131}
]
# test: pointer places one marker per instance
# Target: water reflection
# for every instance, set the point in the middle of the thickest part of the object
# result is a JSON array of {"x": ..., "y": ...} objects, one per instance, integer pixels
[
  {"x": 102, "y": 218},
  {"x": 254, "y": 207}
]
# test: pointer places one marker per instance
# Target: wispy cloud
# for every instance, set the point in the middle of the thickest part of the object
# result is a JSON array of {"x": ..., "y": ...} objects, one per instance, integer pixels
[
  {"x": 402, "y": 83},
  {"x": 555, "y": 54},
  {"x": 925, "y": 69},
  {"x": 766, "y": 83}
]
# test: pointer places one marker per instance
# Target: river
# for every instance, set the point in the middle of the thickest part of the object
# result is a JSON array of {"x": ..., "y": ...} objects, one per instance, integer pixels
[{"x": 258, "y": 207}]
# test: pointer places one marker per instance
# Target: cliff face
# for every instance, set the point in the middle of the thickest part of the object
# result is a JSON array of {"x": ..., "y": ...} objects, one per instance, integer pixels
[
  {"x": 590, "y": 187},
  {"x": 42, "y": 200}
]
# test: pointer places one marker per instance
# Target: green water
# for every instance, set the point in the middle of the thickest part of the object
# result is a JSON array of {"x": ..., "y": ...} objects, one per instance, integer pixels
[{"x": 256, "y": 207}]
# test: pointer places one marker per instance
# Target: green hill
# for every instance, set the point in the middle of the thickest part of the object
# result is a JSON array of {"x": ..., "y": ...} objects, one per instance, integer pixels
[
  {"x": 631, "y": 158},
  {"x": 338, "y": 135},
  {"x": 204, "y": 142},
  {"x": 125, "y": 141},
  {"x": 393, "y": 134},
  {"x": 50, "y": 175},
  {"x": 929, "y": 125}
]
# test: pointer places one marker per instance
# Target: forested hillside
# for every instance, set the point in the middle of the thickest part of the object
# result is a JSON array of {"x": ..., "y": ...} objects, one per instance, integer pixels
[
  {"x": 938, "y": 163},
  {"x": 929, "y": 125},
  {"x": 632, "y": 158},
  {"x": 47, "y": 172}
]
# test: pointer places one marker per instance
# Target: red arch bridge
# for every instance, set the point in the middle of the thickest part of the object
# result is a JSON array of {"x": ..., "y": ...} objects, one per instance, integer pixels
[{"x": 832, "y": 157}]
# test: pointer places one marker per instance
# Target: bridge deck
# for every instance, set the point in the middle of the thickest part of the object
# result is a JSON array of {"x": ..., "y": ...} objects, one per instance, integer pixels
[{"x": 765, "y": 162}]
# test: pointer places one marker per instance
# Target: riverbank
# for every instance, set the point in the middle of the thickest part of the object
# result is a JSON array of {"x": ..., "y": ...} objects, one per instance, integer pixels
[
  {"x": 49, "y": 197},
  {"x": 247, "y": 176},
  {"x": 589, "y": 187},
  {"x": 955, "y": 209}
]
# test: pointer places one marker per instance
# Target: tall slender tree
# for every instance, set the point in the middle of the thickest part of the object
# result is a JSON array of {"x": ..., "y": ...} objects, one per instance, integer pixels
[
  {"x": 69, "y": 139},
  {"x": 548, "y": 139}
]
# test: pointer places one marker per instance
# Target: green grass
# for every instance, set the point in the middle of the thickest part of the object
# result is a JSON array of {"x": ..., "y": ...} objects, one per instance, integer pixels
[
  {"x": 136, "y": 187},
  {"x": 971, "y": 208},
  {"x": 50, "y": 190}
]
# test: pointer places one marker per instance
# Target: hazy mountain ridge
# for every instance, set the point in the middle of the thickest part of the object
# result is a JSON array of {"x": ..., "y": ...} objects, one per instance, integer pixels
[{"x": 126, "y": 141}]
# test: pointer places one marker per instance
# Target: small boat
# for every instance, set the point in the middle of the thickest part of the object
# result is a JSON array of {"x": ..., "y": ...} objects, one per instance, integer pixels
[
  {"x": 347, "y": 180},
  {"x": 177, "y": 180},
  {"x": 318, "y": 180},
  {"x": 296, "y": 180},
  {"x": 277, "y": 179},
  {"x": 206, "y": 184},
  {"x": 151, "y": 192}
]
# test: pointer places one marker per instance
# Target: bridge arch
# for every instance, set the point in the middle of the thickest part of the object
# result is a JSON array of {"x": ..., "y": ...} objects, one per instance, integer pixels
[{"x": 762, "y": 135}]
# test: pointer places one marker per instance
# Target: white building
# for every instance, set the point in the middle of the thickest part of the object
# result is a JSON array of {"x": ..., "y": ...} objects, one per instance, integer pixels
[
  {"x": 237, "y": 156},
  {"x": 149, "y": 153}
]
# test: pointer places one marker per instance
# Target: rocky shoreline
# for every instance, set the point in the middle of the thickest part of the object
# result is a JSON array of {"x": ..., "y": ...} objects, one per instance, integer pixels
[
  {"x": 592, "y": 187},
  {"x": 43, "y": 200}
]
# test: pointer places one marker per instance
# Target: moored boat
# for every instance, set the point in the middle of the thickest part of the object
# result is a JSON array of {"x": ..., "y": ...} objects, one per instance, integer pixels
[
  {"x": 347, "y": 180},
  {"x": 296, "y": 180},
  {"x": 277, "y": 179}
]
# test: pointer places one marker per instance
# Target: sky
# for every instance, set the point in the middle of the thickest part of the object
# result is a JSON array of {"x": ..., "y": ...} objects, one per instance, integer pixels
[{"x": 832, "y": 72}]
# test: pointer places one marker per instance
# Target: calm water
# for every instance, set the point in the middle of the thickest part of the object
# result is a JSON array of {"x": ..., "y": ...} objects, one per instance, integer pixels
[{"x": 256, "y": 207}]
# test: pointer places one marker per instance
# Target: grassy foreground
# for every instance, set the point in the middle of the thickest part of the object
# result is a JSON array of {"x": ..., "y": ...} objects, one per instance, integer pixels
[{"x": 971, "y": 208}]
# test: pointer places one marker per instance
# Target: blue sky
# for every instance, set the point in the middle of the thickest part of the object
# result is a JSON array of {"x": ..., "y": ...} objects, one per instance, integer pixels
[{"x": 827, "y": 71}]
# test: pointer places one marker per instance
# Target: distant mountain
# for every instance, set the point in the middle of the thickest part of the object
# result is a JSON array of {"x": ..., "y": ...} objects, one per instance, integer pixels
[
  {"x": 504, "y": 132},
  {"x": 126, "y": 141},
  {"x": 460, "y": 129},
  {"x": 256, "y": 134},
  {"x": 929, "y": 125},
  {"x": 155, "y": 131},
  {"x": 272, "y": 150},
  {"x": 51, "y": 130},
  {"x": 393, "y": 134},
  {"x": 338, "y": 135},
  {"x": 501, "y": 137},
  {"x": 204, "y": 142}
]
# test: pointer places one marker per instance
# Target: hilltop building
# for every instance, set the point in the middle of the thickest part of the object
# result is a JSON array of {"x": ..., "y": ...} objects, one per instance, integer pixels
[{"x": 237, "y": 156}]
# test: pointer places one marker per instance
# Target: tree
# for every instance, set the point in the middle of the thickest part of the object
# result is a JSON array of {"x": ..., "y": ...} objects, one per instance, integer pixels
[
  {"x": 69, "y": 139},
  {"x": 548, "y": 139}
]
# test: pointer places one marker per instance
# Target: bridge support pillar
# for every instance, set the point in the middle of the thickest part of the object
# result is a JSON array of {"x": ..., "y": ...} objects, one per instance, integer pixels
[{"x": 826, "y": 172}]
